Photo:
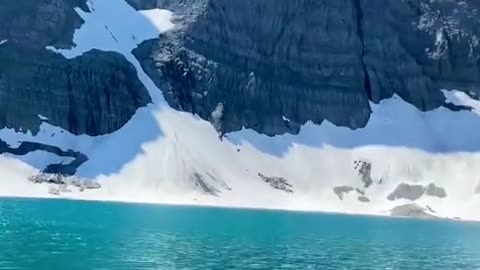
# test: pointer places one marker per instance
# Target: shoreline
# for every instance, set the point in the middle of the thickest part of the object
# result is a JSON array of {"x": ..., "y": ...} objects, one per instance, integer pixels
[{"x": 238, "y": 208}]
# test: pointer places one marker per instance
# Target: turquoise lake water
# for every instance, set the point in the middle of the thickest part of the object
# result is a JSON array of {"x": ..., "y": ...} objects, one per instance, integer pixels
[{"x": 59, "y": 234}]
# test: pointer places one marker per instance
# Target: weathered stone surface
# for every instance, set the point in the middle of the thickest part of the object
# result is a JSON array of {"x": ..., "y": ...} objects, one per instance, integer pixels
[
  {"x": 279, "y": 183},
  {"x": 412, "y": 210},
  {"x": 40, "y": 23},
  {"x": 96, "y": 93},
  {"x": 312, "y": 60},
  {"x": 433, "y": 190},
  {"x": 341, "y": 190},
  {"x": 406, "y": 191},
  {"x": 262, "y": 60},
  {"x": 62, "y": 183}
]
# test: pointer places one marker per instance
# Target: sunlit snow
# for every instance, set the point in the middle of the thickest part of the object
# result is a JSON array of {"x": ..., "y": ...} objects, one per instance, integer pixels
[{"x": 155, "y": 155}]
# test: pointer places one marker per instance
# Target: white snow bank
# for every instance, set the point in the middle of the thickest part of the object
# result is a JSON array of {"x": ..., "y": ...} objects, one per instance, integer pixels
[
  {"x": 154, "y": 156},
  {"x": 393, "y": 122}
]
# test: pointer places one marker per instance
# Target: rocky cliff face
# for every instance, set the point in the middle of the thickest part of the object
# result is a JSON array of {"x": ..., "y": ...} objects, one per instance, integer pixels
[
  {"x": 273, "y": 65},
  {"x": 268, "y": 65},
  {"x": 95, "y": 93}
]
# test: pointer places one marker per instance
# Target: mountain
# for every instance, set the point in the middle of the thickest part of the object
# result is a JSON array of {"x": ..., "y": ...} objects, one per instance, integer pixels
[{"x": 351, "y": 106}]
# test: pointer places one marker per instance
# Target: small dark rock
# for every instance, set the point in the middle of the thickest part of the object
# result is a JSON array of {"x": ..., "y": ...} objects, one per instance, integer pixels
[
  {"x": 364, "y": 169},
  {"x": 406, "y": 191},
  {"x": 364, "y": 199},
  {"x": 341, "y": 190},
  {"x": 279, "y": 183},
  {"x": 433, "y": 190}
]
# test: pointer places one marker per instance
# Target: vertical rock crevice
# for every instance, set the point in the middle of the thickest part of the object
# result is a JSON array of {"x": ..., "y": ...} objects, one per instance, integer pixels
[{"x": 359, "y": 19}]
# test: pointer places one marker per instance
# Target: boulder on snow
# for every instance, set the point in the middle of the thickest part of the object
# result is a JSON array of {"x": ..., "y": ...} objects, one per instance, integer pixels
[
  {"x": 62, "y": 183},
  {"x": 363, "y": 199},
  {"x": 406, "y": 191},
  {"x": 364, "y": 169},
  {"x": 433, "y": 190},
  {"x": 414, "y": 192},
  {"x": 279, "y": 183},
  {"x": 412, "y": 210},
  {"x": 341, "y": 190}
]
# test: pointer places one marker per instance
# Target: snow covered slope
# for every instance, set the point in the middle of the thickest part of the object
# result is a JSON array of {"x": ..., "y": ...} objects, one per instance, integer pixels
[{"x": 163, "y": 155}]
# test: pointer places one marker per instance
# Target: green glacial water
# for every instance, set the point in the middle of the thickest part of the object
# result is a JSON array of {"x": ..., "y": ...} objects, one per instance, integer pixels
[{"x": 62, "y": 234}]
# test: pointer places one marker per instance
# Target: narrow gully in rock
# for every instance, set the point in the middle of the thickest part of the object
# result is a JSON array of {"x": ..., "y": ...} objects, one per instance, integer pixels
[{"x": 359, "y": 17}]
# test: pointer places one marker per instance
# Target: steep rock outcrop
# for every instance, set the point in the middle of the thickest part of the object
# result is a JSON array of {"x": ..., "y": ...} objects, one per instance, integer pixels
[
  {"x": 95, "y": 93},
  {"x": 312, "y": 60},
  {"x": 40, "y": 23}
]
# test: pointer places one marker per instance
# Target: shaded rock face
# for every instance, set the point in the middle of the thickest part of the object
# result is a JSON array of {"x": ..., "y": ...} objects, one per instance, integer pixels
[
  {"x": 96, "y": 93},
  {"x": 60, "y": 168},
  {"x": 40, "y": 23},
  {"x": 312, "y": 60}
]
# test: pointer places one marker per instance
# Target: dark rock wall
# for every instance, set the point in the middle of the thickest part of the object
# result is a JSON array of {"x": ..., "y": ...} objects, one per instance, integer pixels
[
  {"x": 96, "y": 93},
  {"x": 241, "y": 63},
  {"x": 312, "y": 59},
  {"x": 39, "y": 23}
]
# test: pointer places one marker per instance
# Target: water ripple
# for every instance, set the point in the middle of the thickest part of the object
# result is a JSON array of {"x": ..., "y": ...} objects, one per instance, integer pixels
[{"x": 37, "y": 234}]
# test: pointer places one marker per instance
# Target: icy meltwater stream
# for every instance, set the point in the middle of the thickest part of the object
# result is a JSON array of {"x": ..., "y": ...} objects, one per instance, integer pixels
[{"x": 59, "y": 234}]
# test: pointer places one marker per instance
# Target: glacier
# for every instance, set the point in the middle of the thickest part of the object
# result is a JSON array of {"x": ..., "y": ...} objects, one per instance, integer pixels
[{"x": 166, "y": 156}]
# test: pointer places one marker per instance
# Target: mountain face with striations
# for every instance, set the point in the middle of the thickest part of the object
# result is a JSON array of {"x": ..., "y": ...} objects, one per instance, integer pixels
[{"x": 358, "y": 106}]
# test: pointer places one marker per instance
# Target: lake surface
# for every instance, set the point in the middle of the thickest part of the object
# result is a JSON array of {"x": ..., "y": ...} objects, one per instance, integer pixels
[{"x": 62, "y": 234}]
